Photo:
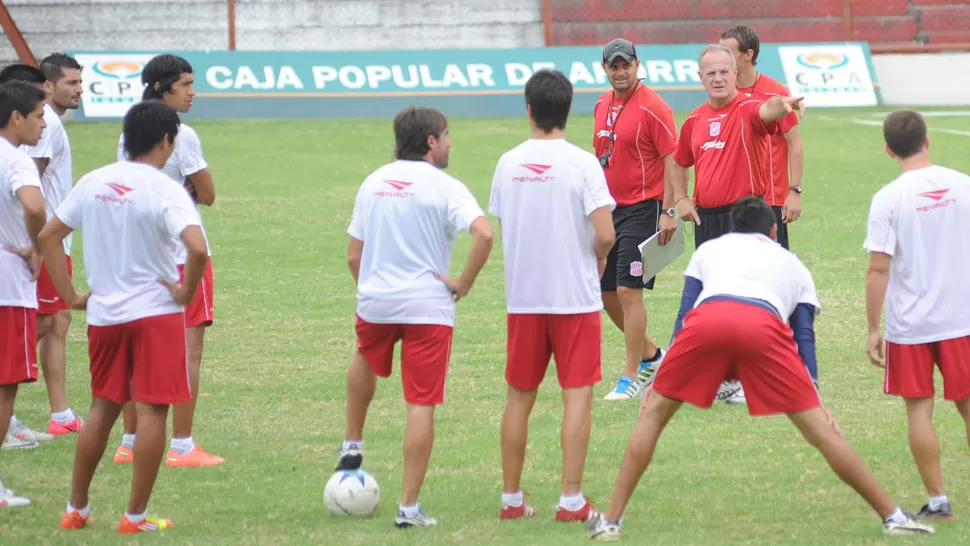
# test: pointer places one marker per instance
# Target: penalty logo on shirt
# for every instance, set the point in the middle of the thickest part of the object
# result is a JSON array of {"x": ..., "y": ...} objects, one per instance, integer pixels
[
  {"x": 636, "y": 269},
  {"x": 715, "y": 128}
]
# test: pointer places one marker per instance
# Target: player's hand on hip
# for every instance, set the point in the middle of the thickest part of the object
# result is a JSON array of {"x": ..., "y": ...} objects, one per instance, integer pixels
[
  {"x": 687, "y": 211},
  {"x": 668, "y": 226},
  {"x": 458, "y": 289},
  {"x": 31, "y": 256},
  {"x": 179, "y": 294},
  {"x": 793, "y": 208},
  {"x": 874, "y": 349},
  {"x": 601, "y": 265},
  {"x": 80, "y": 303}
]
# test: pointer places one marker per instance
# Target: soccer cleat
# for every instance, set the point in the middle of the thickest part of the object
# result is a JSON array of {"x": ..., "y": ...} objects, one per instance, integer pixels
[
  {"x": 910, "y": 527},
  {"x": 195, "y": 458},
  {"x": 123, "y": 455},
  {"x": 350, "y": 459},
  {"x": 625, "y": 389},
  {"x": 523, "y": 510},
  {"x": 73, "y": 520},
  {"x": 419, "y": 520},
  {"x": 737, "y": 398},
  {"x": 11, "y": 442},
  {"x": 147, "y": 525},
  {"x": 21, "y": 431},
  {"x": 648, "y": 369},
  {"x": 943, "y": 512},
  {"x": 602, "y": 530},
  {"x": 727, "y": 390},
  {"x": 60, "y": 429},
  {"x": 9, "y": 500},
  {"x": 585, "y": 513}
]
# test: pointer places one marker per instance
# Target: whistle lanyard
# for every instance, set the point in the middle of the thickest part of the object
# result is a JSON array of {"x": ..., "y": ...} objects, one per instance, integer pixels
[{"x": 609, "y": 111}]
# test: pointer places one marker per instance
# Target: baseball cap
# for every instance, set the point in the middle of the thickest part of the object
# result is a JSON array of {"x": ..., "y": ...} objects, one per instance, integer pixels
[{"x": 619, "y": 48}]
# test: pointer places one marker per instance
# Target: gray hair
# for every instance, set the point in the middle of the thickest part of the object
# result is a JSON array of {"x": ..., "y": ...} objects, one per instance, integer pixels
[{"x": 717, "y": 47}]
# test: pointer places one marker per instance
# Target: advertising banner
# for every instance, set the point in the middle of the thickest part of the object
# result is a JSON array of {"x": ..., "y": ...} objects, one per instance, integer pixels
[{"x": 313, "y": 84}]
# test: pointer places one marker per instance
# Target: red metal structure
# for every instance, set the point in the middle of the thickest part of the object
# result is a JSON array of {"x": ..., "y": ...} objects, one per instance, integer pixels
[{"x": 15, "y": 37}]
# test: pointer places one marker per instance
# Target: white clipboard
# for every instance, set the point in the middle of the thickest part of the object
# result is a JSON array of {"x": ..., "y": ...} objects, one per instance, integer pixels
[{"x": 655, "y": 257}]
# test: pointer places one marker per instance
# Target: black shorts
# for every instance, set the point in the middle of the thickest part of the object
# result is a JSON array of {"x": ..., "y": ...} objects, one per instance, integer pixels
[
  {"x": 624, "y": 266},
  {"x": 782, "y": 227},
  {"x": 714, "y": 223}
]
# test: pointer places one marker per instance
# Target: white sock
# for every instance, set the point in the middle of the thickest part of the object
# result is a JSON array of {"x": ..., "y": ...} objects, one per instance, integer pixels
[
  {"x": 512, "y": 499},
  {"x": 410, "y": 511},
  {"x": 897, "y": 517},
  {"x": 938, "y": 501},
  {"x": 574, "y": 502},
  {"x": 183, "y": 445},
  {"x": 128, "y": 441},
  {"x": 13, "y": 421},
  {"x": 137, "y": 518},
  {"x": 64, "y": 417},
  {"x": 85, "y": 512},
  {"x": 353, "y": 444}
]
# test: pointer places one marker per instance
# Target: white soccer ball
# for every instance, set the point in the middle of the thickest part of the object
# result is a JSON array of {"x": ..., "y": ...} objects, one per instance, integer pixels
[{"x": 352, "y": 493}]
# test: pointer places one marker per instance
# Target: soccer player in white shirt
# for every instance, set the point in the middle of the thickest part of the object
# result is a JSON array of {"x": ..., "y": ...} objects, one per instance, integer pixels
[
  {"x": 918, "y": 247},
  {"x": 170, "y": 79},
  {"x": 60, "y": 77},
  {"x": 130, "y": 216},
  {"x": 739, "y": 292},
  {"x": 21, "y": 219},
  {"x": 406, "y": 218},
  {"x": 555, "y": 211}
]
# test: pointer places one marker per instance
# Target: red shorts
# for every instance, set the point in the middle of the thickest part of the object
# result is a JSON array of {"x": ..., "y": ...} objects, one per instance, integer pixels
[
  {"x": 49, "y": 302},
  {"x": 144, "y": 360},
  {"x": 724, "y": 340},
  {"x": 574, "y": 340},
  {"x": 18, "y": 345},
  {"x": 909, "y": 369},
  {"x": 200, "y": 310},
  {"x": 425, "y": 352}
]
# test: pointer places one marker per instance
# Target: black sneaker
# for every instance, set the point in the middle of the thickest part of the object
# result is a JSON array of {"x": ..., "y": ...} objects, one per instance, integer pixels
[
  {"x": 943, "y": 512},
  {"x": 350, "y": 459}
]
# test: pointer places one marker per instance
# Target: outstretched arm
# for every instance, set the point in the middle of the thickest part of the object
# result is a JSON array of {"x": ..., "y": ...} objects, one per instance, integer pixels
[{"x": 802, "y": 324}]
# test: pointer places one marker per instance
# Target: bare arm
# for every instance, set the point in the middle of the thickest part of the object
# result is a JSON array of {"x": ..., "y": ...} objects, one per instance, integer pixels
[
  {"x": 778, "y": 107},
  {"x": 41, "y": 163},
  {"x": 604, "y": 232},
  {"x": 355, "y": 249},
  {"x": 482, "y": 238},
  {"x": 796, "y": 155},
  {"x": 34, "y": 215},
  {"x": 877, "y": 282},
  {"x": 198, "y": 255},
  {"x": 51, "y": 240},
  {"x": 203, "y": 188}
]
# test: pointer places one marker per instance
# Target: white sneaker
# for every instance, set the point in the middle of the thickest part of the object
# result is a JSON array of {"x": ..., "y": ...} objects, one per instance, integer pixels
[
  {"x": 11, "y": 442},
  {"x": 737, "y": 398},
  {"x": 21, "y": 431},
  {"x": 727, "y": 390},
  {"x": 603, "y": 531},
  {"x": 625, "y": 389},
  {"x": 911, "y": 527},
  {"x": 647, "y": 370},
  {"x": 420, "y": 520},
  {"x": 9, "y": 500}
]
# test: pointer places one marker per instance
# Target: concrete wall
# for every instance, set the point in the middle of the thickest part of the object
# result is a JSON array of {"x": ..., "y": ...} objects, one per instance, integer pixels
[{"x": 51, "y": 25}]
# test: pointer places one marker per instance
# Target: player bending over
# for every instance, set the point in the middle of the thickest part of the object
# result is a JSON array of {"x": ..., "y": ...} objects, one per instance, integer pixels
[
  {"x": 917, "y": 240},
  {"x": 561, "y": 216},
  {"x": 130, "y": 216},
  {"x": 21, "y": 218},
  {"x": 169, "y": 78},
  {"x": 739, "y": 287},
  {"x": 406, "y": 217}
]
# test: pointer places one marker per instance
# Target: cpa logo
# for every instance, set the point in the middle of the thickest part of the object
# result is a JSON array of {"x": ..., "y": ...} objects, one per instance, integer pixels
[
  {"x": 822, "y": 61},
  {"x": 119, "y": 70},
  {"x": 115, "y": 81}
]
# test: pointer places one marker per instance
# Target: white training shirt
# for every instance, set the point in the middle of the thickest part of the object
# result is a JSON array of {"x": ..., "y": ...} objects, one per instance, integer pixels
[
  {"x": 408, "y": 214},
  {"x": 58, "y": 177},
  {"x": 922, "y": 220},
  {"x": 751, "y": 265},
  {"x": 543, "y": 191},
  {"x": 186, "y": 160},
  {"x": 16, "y": 171},
  {"x": 130, "y": 216}
]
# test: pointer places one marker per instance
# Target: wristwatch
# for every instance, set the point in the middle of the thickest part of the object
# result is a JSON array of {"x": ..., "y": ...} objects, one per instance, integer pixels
[
  {"x": 670, "y": 212},
  {"x": 796, "y": 189}
]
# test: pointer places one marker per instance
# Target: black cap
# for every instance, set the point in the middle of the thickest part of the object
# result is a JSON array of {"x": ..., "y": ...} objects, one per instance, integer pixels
[{"x": 619, "y": 48}]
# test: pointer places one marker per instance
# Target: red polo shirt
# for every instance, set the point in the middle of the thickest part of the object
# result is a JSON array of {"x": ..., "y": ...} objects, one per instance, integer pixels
[{"x": 776, "y": 191}]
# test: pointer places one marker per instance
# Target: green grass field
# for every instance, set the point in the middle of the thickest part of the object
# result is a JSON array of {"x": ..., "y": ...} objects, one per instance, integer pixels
[{"x": 273, "y": 387}]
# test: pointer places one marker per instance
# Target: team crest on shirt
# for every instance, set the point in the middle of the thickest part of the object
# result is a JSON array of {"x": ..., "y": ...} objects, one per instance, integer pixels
[
  {"x": 611, "y": 119},
  {"x": 715, "y": 128},
  {"x": 636, "y": 269}
]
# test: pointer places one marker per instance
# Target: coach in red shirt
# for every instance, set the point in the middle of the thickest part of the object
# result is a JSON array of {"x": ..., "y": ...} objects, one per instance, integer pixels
[
  {"x": 785, "y": 152},
  {"x": 726, "y": 141},
  {"x": 634, "y": 138}
]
